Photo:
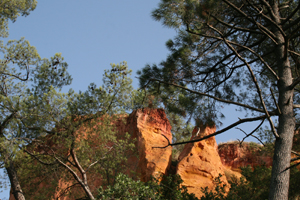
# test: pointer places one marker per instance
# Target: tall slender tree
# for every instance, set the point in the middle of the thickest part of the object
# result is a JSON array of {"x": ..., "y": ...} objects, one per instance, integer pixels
[{"x": 243, "y": 53}]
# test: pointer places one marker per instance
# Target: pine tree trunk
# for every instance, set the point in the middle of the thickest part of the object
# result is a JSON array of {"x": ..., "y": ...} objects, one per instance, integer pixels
[
  {"x": 282, "y": 154},
  {"x": 15, "y": 184}
]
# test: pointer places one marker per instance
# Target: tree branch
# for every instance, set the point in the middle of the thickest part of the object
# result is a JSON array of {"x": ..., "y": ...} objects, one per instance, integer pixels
[
  {"x": 296, "y": 21},
  {"x": 292, "y": 14},
  {"x": 210, "y": 96},
  {"x": 239, "y": 45},
  {"x": 39, "y": 160},
  {"x": 293, "y": 52},
  {"x": 65, "y": 190},
  {"x": 295, "y": 83},
  {"x": 110, "y": 148},
  {"x": 254, "y": 81},
  {"x": 236, "y": 28},
  {"x": 279, "y": 111},
  {"x": 296, "y": 106},
  {"x": 217, "y": 132},
  {"x": 250, "y": 134},
  {"x": 266, "y": 31},
  {"x": 7, "y": 120}
]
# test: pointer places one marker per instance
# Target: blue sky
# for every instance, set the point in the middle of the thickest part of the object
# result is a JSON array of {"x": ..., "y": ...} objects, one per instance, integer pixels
[{"x": 92, "y": 34}]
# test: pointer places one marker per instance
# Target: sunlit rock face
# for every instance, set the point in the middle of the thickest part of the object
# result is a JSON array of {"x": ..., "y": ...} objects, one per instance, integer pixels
[
  {"x": 234, "y": 156},
  {"x": 149, "y": 126},
  {"x": 199, "y": 163}
]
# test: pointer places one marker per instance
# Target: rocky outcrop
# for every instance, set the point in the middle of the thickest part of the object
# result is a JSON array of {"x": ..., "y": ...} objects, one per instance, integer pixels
[
  {"x": 235, "y": 155},
  {"x": 148, "y": 126},
  {"x": 145, "y": 126},
  {"x": 199, "y": 163}
]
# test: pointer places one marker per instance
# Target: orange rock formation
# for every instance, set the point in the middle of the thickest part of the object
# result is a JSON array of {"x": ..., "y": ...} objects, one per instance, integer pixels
[
  {"x": 233, "y": 155},
  {"x": 148, "y": 126},
  {"x": 199, "y": 163}
]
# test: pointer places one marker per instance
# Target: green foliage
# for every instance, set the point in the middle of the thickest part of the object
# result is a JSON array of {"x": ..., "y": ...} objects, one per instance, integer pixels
[
  {"x": 171, "y": 188},
  {"x": 11, "y": 9},
  {"x": 201, "y": 61},
  {"x": 254, "y": 184},
  {"x": 29, "y": 89},
  {"x": 84, "y": 140},
  {"x": 127, "y": 188},
  {"x": 219, "y": 192},
  {"x": 113, "y": 97}
]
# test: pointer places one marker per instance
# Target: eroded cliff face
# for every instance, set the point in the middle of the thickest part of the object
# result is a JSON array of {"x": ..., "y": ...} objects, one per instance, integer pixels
[
  {"x": 199, "y": 163},
  {"x": 148, "y": 126},
  {"x": 234, "y": 156}
]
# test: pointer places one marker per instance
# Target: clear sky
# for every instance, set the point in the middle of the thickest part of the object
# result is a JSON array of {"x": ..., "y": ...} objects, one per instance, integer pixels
[{"x": 92, "y": 34}]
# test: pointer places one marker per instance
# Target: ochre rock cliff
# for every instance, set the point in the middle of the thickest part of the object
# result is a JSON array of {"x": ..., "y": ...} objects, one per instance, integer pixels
[
  {"x": 234, "y": 156},
  {"x": 199, "y": 163},
  {"x": 148, "y": 126}
]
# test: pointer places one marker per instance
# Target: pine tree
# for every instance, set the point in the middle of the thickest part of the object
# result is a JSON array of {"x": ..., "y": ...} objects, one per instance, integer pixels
[{"x": 242, "y": 53}]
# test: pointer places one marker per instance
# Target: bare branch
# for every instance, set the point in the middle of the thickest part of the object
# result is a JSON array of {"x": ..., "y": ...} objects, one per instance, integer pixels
[
  {"x": 66, "y": 189},
  {"x": 293, "y": 52},
  {"x": 251, "y": 134},
  {"x": 70, "y": 170},
  {"x": 292, "y": 14},
  {"x": 295, "y": 165},
  {"x": 260, "y": 12},
  {"x": 270, "y": 10},
  {"x": 296, "y": 153},
  {"x": 257, "y": 55},
  {"x": 241, "y": 121},
  {"x": 295, "y": 82},
  {"x": 275, "y": 101},
  {"x": 296, "y": 105},
  {"x": 236, "y": 28},
  {"x": 260, "y": 26},
  {"x": 17, "y": 77},
  {"x": 110, "y": 148},
  {"x": 295, "y": 159},
  {"x": 7, "y": 120},
  {"x": 239, "y": 45},
  {"x": 295, "y": 22}
]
